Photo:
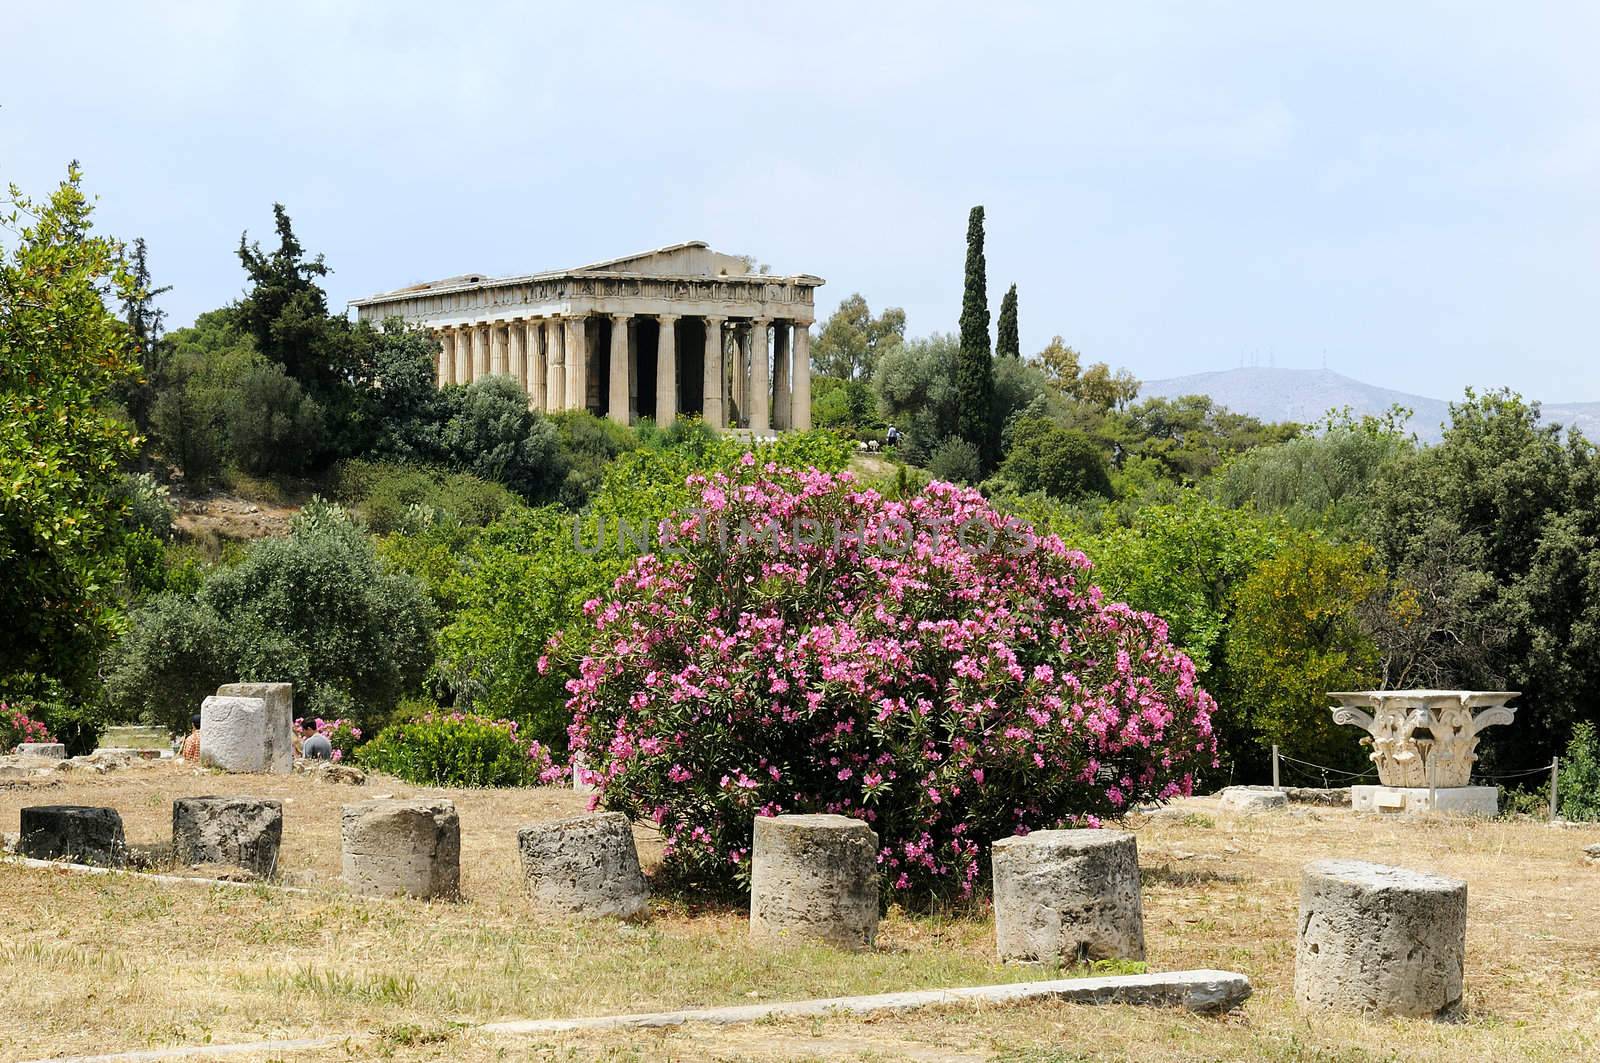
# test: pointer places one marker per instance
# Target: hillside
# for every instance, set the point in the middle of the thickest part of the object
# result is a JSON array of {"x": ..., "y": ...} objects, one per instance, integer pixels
[{"x": 1304, "y": 395}]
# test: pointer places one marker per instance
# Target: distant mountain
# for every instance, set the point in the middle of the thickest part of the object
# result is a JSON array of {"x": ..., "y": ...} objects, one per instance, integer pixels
[{"x": 1304, "y": 395}]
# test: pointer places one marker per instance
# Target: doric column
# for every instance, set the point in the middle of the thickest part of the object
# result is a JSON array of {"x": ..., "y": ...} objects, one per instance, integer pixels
[
  {"x": 711, "y": 388},
  {"x": 617, "y": 405},
  {"x": 515, "y": 334},
  {"x": 800, "y": 405},
  {"x": 498, "y": 364},
  {"x": 538, "y": 382},
  {"x": 780, "y": 374},
  {"x": 667, "y": 369},
  {"x": 760, "y": 390},
  {"x": 741, "y": 367},
  {"x": 577, "y": 338},
  {"x": 555, "y": 355},
  {"x": 463, "y": 349},
  {"x": 447, "y": 357},
  {"x": 480, "y": 351}
]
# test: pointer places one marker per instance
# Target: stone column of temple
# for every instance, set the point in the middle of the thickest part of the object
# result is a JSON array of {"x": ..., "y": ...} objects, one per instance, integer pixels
[
  {"x": 667, "y": 369},
  {"x": 480, "y": 351},
  {"x": 555, "y": 355},
  {"x": 577, "y": 340},
  {"x": 463, "y": 348},
  {"x": 780, "y": 374},
  {"x": 618, "y": 399},
  {"x": 800, "y": 405},
  {"x": 760, "y": 389},
  {"x": 499, "y": 365},
  {"x": 711, "y": 387},
  {"x": 741, "y": 369},
  {"x": 516, "y": 353},
  {"x": 447, "y": 357},
  {"x": 538, "y": 382}
]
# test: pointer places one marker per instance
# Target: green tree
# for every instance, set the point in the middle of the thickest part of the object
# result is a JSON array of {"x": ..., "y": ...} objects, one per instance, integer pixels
[
  {"x": 273, "y": 425},
  {"x": 62, "y": 353},
  {"x": 494, "y": 436},
  {"x": 916, "y": 386},
  {"x": 1063, "y": 463},
  {"x": 1006, "y": 339},
  {"x": 851, "y": 339},
  {"x": 145, "y": 322},
  {"x": 955, "y": 460},
  {"x": 286, "y": 310},
  {"x": 975, "y": 366}
]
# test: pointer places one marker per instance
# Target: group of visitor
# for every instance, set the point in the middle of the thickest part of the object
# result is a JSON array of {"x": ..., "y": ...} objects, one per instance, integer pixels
[{"x": 307, "y": 742}]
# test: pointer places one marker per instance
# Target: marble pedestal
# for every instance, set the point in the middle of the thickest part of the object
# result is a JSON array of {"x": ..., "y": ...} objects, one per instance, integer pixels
[{"x": 1459, "y": 800}]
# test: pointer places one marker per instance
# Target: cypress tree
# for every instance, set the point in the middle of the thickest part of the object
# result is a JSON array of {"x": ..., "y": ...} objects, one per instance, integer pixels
[
  {"x": 974, "y": 366},
  {"x": 1005, "y": 332}
]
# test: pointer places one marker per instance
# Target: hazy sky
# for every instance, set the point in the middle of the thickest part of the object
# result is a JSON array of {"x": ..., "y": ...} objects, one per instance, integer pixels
[{"x": 1407, "y": 191}]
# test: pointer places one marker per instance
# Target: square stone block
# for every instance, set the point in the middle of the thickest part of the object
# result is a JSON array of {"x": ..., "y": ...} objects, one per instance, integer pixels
[
  {"x": 280, "y": 719},
  {"x": 233, "y": 734},
  {"x": 1458, "y": 800}
]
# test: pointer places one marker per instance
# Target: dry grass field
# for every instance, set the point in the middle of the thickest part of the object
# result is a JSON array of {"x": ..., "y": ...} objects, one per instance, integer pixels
[{"x": 95, "y": 963}]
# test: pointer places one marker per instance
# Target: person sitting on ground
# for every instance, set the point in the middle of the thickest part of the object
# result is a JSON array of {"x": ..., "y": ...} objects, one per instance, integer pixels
[
  {"x": 316, "y": 746},
  {"x": 190, "y": 750}
]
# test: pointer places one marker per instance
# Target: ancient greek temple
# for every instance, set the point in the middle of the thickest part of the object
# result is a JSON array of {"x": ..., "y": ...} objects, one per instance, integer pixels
[{"x": 679, "y": 330}]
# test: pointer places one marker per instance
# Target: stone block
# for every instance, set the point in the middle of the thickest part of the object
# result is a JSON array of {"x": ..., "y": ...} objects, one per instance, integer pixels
[
  {"x": 1250, "y": 799},
  {"x": 1068, "y": 896},
  {"x": 1381, "y": 940},
  {"x": 53, "y": 750},
  {"x": 1453, "y": 800},
  {"x": 279, "y": 698},
  {"x": 587, "y": 865},
  {"x": 233, "y": 734},
  {"x": 402, "y": 848},
  {"x": 79, "y": 833},
  {"x": 814, "y": 878},
  {"x": 243, "y": 831}
]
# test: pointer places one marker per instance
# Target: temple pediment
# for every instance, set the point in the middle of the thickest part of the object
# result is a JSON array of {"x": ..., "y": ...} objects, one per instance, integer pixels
[{"x": 692, "y": 259}]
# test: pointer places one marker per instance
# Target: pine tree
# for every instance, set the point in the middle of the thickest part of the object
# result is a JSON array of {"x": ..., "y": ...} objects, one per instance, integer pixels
[
  {"x": 974, "y": 365},
  {"x": 1005, "y": 333}
]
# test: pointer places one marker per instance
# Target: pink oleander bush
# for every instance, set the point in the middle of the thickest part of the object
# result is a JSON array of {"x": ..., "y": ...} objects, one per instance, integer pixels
[
  {"x": 458, "y": 749},
  {"x": 16, "y": 727},
  {"x": 342, "y": 734},
  {"x": 846, "y": 653}
]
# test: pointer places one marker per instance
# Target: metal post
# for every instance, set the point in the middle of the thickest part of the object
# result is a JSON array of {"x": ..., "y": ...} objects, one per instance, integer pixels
[
  {"x": 1275, "y": 785},
  {"x": 1555, "y": 774}
]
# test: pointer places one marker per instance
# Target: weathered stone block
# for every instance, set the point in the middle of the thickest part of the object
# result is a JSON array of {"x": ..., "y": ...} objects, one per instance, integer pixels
[
  {"x": 587, "y": 865},
  {"x": 80, "y": 833},
  {"x": 402, "y": 848},
  {"x": 1454, "y": 800},
  {"x": 279, "y": 698},
  {"x": 1249, "y": 799},
  {"x": 53, "y": 750},
  {"x": 243, "y": 831},
  {"x": 814, "y": 878},
  {"x": 1379, "y": 939},
  {"x": 1068, "y": 896},
  {"x": 233, "y": 734}
]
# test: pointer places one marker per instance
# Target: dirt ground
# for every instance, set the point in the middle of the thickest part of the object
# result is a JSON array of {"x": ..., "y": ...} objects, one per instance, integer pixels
[{"x": 116, "y": 963}]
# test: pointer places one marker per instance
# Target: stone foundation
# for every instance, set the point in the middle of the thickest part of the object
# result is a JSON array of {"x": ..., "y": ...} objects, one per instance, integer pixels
[
  {"x": 279, "y": 699},
  {"x": 402, "y": 848},
  {"x": 233, "y": 734},
  {"x": 1381, "y": 940},
  {"x": 814, "y": 878},
  {"x": 1068, "y": 896},
  {"x": 1458, "y": 800},
  {"x": 1251, "y": 799},
  {"x": 53, "y": 750},
  {"x": 80, "y": 833},
  {"x": 587, "y": 865},
  {"x": 243, "y": 831}
]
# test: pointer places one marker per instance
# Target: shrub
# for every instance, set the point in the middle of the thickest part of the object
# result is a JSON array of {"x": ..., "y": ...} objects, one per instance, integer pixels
[
  {"x": 16, "y": 726},
  {"x": 317, "y": 608},
  {"x": 956, "y": 461},
  {"x": 494, "y": 436},
  {"x": 393, "y": 498},
  {"x": 273, "y": 425},
  {"x": 457, "y": 749},
  {"x": 1062, "y": 462},
  {"x": 1579, "y": 784},
  {"x": 947, "y": 696}
]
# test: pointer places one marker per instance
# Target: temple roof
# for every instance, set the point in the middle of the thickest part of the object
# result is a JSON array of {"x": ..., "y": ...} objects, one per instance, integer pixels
[{"x": 693, "y": 258}]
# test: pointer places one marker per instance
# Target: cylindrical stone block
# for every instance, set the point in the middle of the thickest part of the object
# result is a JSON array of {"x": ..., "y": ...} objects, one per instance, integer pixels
[
  {"x": 82, "y": 834},
  {"x": 233, "y": 734},
  {"x": 1068, "y": 897},
  {"x": 587, "y": 865},
  {"x": 814, "y": 878},
  {"x": 1379, "y": 939},
  {"x": 243, "y": 831},
  {"x": 53, "y": 750},
  {"x": 402, "y": 848}
]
